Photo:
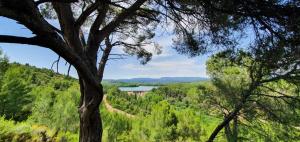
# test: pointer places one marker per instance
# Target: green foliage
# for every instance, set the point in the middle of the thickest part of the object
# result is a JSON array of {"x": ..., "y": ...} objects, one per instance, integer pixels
[
  {"x": 228, "y": 82},
  {"x": 14, "y": 96},
  {"x": 279, "y": 102},
  {"x": 40, "y": 101},
  {"x": 65, "y": 110},
  {"x": 189, "y": 127},
  {"x": 39, "y": 104},
  {"x": 3, "y": 66},
  {"x": 160, "y": 125},
  {"x": 11, "y": 131},
  {"x": 260, "y": 130},
  {"x": 117, "y": 127},
  {"x": 56, "y": 109},
  {"x": 122, "y": 100},
  {"x": 168, "y": 113},
  {"x": 163, "y": 122},
  {"x": 273, "y": 102}
]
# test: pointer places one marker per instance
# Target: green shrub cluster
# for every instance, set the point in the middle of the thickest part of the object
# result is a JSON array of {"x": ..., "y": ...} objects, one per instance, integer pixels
[{"x": 11, "y": 131}]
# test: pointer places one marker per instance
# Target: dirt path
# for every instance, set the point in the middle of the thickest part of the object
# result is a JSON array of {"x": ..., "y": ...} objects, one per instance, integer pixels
[{"x": 111, "y": 109}]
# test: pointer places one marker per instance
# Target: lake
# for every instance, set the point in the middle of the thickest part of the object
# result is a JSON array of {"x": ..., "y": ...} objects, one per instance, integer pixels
[{"x": 138, "y": 89}]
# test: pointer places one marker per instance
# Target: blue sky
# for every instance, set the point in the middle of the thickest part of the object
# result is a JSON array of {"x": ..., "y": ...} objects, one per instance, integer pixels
[{"x": 167, "y": 64}]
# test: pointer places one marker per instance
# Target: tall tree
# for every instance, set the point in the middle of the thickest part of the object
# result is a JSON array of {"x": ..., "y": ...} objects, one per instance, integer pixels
[
  {"x": 224, "y": 92},
  {"x": 3, "y": 66},
  {"x": 247, "y": 87},
  {"x": 197, "y": 25},
  {"x": 132, "y": 22},
  {"x": 14, "y": 94}
]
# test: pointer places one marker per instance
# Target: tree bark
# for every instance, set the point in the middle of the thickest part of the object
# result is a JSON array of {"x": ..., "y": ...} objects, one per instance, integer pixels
[
  {"x": 235, "y": 129},
  {"x": 228, "y": 132},
  {"x": 232, "y": 132},
  {"x": 90, "y": 119}
]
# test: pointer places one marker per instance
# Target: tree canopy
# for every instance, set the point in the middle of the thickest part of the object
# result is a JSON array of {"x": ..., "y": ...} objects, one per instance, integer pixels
[{"x": 248, "y": 88}]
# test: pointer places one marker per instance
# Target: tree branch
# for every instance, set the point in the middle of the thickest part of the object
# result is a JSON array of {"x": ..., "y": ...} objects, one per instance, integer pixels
[
  {"x": 57, "y": 62},
  {"x": 104, "y": 58},
  {"x": 60, "y": 48},
  {"x": 247, "y": 93},
  {"x": 82, "y": 18},
  {"x": 281, "y": 95},
  {"x": 67, "y": 23},
  {"x": 69, "y": 68},
  {"x": 46, "y": 36},
  {"x": 21, "y": 40},
  {"x": 109, "y": 28},
  {"x": 29, "y": 17},
  {"x": 92, "y": 38},
  {"x": 61, "y": 1},
  {"x": 120, "y": 18},
  {"x": 142, "y": 12}
]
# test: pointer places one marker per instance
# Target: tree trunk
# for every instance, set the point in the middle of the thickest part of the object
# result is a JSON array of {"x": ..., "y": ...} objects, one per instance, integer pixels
[
  {"x": 235, "y": 112},
  {"x": 228, "y": 132},
  {"x": 90, "y": 119},
  {"x": 231, "y": 133},
  {"x": 235, "y": 129},
  {"x": 225, "y": 122}
]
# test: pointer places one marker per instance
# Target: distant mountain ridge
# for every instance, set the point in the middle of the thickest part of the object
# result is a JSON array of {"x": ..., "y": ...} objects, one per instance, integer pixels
[{"x": 159, "y": 80}]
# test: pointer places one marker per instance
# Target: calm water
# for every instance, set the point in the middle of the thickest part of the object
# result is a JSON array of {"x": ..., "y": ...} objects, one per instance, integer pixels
[{"x": 139, "y": 88}]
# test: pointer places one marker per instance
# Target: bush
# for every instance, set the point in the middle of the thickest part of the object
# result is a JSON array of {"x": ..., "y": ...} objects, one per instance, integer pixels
[{"x": 11, "y": 131}]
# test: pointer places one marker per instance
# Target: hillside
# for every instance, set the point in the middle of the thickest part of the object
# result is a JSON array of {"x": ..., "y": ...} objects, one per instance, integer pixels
[{"x": 40, "y": 104}]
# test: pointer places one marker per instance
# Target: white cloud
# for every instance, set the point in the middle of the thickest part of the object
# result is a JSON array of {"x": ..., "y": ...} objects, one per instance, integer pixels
[
  {"x": 183, "y": 68},
  {"x": 165, "y": 41},
  {"x": 167, "y": 64}
]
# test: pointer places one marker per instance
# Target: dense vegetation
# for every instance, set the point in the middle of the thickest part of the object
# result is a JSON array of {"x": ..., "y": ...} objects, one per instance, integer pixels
[
  {"x": 198, "y": 109},
  {"x": 36, "y": 104},
  {"x": 40, "y": 105}
]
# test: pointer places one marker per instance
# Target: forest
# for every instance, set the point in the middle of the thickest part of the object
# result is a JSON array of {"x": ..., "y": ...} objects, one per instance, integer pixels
[{"x": 40, "y": 105}]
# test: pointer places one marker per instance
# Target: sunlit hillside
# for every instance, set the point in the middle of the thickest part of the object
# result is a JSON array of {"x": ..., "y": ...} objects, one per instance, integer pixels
[{"x": 40, "y": 105}]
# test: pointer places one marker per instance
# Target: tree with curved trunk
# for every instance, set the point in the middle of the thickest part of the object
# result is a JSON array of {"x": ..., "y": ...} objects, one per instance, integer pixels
[
  {"x": 108, "y": 23},
  {"x": 69, "y": 43},
  {"x": 240, "y": 79}
]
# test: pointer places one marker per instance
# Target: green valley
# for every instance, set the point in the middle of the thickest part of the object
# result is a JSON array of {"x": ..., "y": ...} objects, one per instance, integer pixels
[{"x": 41, "y": 105}]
